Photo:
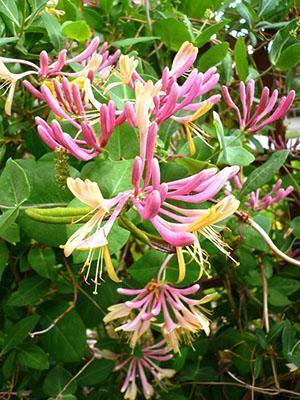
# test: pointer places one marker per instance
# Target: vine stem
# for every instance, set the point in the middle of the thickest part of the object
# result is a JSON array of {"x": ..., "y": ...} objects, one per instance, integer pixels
[
  {"x": 267, "y": 239},
  {"x": 64, "y": 313}
]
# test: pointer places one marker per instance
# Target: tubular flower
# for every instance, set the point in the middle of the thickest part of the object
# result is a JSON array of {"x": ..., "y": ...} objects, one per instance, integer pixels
[
  {"x": 274, "y": 196},
  {"x": 139, "y": 365},
  {"x": 264, "y": 113},
  {"x": 86, "y": 144},
  {"x": 190, "y": 127},
  {"x": 184, "y": 59},
  {"x": 124, "y": 72},
  {"x": 93, "y": 62},
  {"x": 92, "y": 236},
  {"x": 153, "y": 200},
  {"x": 181, "y": 316},
  {"x": 10, "y": 80}
]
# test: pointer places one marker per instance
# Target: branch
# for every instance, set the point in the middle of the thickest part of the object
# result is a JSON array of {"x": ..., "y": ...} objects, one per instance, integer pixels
[{"x": 266, "y": 238}]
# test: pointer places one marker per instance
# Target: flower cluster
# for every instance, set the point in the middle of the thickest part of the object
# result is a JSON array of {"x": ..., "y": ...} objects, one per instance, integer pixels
[{"x": 182, "y": 211}]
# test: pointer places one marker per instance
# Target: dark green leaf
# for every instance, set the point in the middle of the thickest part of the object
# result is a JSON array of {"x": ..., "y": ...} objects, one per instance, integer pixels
[
  {"x": 213, "y": 56},
  {"x": 33, "y": 357},
  {"x": 16, "y": 184},
  {"x": 240, "y": 57}
]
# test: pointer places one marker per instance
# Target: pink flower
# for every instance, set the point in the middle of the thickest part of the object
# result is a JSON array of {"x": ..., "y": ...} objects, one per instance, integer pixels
[
  {"x": 69, "y": 104},
  {"x": 153, "y": 200},
  {"x": 92, "y": 236},
  {"x": 92, "y": 60},
  {"x": 177, "y": 225},
  {"x": 181, "y": 316},
  {"x": 138, "y": 366},
  {"x": 274, "y": 196},
  {"x": 264, "y": 113}
]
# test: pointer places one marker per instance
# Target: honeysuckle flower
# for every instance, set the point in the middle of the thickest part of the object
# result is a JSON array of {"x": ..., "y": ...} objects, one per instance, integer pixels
[
  {"x": 276, "y": 194},
  {"x": 86, "y": 144},
  {"x": 190, "y": 127},
  {"x": 181, "y": 316},
  {"x": 138, "y": 366},
  {"x": 144, "y": 103},
  {"x": 184, "y": 59},
  {"x": 184, "y": 226},
  {"x": 10, "y": 80},
  {"x": 92, "y": 236},
  {"x": 124, "y": 72},
  {"x": 93, "y": 62},
  {"x": 153, "y": 200},
  {"x": 264, "y": 113}
]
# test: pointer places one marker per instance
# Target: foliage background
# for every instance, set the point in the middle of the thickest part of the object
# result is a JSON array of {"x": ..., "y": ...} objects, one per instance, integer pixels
[{"x": 252, "y": 38}]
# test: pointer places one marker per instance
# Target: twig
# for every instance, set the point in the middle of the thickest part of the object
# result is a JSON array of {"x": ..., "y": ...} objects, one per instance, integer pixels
[
  {"x": 63, "y": 314},
  {"x": 265, "y": 299},
  {"x": 74, "y": 377},
  {"x": 267, "y": 239}
]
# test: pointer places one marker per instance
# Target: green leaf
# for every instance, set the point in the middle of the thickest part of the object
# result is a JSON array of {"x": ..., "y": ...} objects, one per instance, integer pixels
[
  {"x": 285, "y": 285},
  {"x": 7, "y": 40},
  {"x": 192, "y": 166},
  {"x": 165, "y": 29},
  {"x": 112, "y": 177},
  {"x": 295, "y": 225},
  {"x": 124, "y": 143},
  {"x": 281, "y": 40},
  {"x": 42, "y": 261},
  {"x": 18, "y": 332},
  {"x": 30, "y": 291},
  {"x": 16, "y": 184},
  {"x": 288, "y": 337},
  {"x": 7, "y": 219},
  {"x": 205, "y": 35},
  {"x": 70, "y": 10},
  {"x": 97, "y": 372},
  {"x": 267, "y": 6},
  {"x": 10, "y": 10},
  {"x": 277, "y": 298},
  {"x": 133, "y": 41},
  {"x": 289, "y": 57},
  {"x": 153, "y": 259},
  {"x": 61, "y": 341},
  {"x": 76, "y": 30},
  {"x": 53, "y": 29},
  {"x": 240, "y": 57},
  {"x": 56, "y": 380},
  {"x": 4, "y": 256},
  {"x": 213, "y": 56},
  {"x": 33, "y": 357},
  {"x": 265, "y": 172}
]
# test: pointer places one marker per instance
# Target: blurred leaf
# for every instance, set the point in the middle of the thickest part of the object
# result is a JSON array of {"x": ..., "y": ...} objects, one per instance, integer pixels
[
  {"x": 33, "y": 357},
  {"x": 267, "y": 6},
  {"x": 265, "y": 172},
  {"x": 30, "y": 291},
  {"x": 240, "y": 57},
  {"x": 77, "y": 30},
  {"x": 295, "y": 225},
  {"x": 97, "y": 372},
  {"x": 10, "y": 10},
  {"x": 42, "y": 261},
  {"x": 281, "y": 40},
  {"x": 165, "y": 29},
  {"x": 289, "y": 57},
  {"x": 56, "y": 380},
  {"x": 61, "y": 341},
  {"x": 18, "y": 332},
  {"x": 54, "y": 30},
  {"x": 133, "y": 41},
  {"x": 207, "y": 33},
  {"x": 4, "y": 256},
  {"x": 213, "y": 56}
]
